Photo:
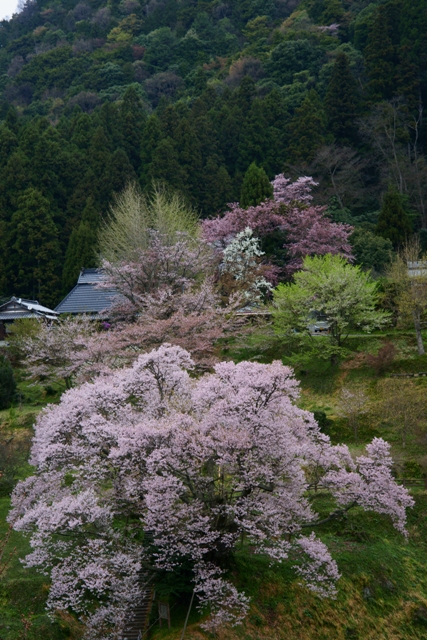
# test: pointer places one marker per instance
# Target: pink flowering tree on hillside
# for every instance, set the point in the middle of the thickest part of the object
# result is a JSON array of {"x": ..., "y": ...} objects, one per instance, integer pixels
[
  {"x": 306, "y": 228},
  {"x": 72, "y": 350},
  {"x": 200, "y": 464},
  {"x": 166, "y": 293},
  {"x": 161, "y": 271}
]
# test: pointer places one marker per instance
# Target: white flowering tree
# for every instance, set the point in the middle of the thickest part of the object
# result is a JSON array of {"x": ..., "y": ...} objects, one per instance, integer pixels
[{"x": 241, "y": 260}]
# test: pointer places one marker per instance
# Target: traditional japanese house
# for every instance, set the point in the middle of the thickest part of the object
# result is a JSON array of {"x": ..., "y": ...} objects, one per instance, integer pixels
[
  {"x": 87, "y": 296},
  {"x": 17, "y": 308}
]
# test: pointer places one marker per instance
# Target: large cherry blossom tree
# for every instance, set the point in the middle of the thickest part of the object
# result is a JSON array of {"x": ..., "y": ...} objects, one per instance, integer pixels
[{"x": 200, "y": 464}]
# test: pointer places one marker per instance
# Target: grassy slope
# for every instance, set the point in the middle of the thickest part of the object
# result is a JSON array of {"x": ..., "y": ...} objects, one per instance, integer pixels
[
  {"x": 23, "y": 591},
  {"x": 383, "y": 589}
]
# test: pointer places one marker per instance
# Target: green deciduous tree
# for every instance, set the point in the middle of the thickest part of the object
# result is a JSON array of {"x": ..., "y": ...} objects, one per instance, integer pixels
[
  {"x": 402, "y": 403},
  {"x": 410, "y": 287},
  {"x": 328, "y": 285},
  {"x": 370, "y": 250},
  {"x": 127, "y": 231}
]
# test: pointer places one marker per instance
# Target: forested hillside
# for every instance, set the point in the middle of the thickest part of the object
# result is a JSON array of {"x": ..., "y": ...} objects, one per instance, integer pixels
[{"x": 97, "y": 93}]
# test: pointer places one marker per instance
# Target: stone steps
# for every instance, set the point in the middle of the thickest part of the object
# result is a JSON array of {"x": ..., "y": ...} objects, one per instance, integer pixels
[{"x": 139, "y": 617}]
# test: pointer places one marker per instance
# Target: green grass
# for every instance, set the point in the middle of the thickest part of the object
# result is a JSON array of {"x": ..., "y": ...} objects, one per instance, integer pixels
[
  {"x": 382, "y": 592},
  {"x": 23, "y": 593}
]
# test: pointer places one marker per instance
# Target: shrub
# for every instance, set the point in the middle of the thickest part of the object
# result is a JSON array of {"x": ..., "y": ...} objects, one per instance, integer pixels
[
  {"x": 384, "y": 358},
  {"x": 7, "y": 383}
]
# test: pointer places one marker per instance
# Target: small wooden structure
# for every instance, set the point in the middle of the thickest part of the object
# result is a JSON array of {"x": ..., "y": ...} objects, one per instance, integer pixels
[
  {"x": 164, "y": 613},
  {"x": 17, "y": 308}
]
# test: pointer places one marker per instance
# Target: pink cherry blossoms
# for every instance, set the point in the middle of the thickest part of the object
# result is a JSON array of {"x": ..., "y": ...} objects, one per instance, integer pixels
[
  {"x": 197, "y": 463},
  {"x": 308, "y": 230}
]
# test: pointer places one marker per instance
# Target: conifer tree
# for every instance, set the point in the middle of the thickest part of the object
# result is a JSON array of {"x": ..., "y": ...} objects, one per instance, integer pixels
[
  {"x": 34, "y": 252},
  {"x": 256, "y": 187},
  {"x": 11, "y": 120},
  {"x": 15, "y": 176},
  {"x": 81, "y": 128},
  {"x": 150, "y": 138},
  {"x": 108, "y": 118},
  {"x": 393, "y": 220},
  {"x": 277, "y": 117},
  {"x": 245, "y": 94},
  {"x": 306, "y": 130},
  {"x": 254, "y": 137},
  {"x": 341, "y": 101},
  {"x": 217, "y": 187},
  {"x": 407, "y": 78},
  {"x": 380, "y": 55},
  {"x": 81, "y": 250},
  {"x": 132, "y": 116},
  {"x": 228, "y": 123},
  {"x": 78, "y": 199},
  {"x": 165, "y": 166},
  {"x": 119, "y": 172},
  {"x": 99, "y": 151},
  {"x": 8, "y": 143},
  {"x": 190, "y": 157}
]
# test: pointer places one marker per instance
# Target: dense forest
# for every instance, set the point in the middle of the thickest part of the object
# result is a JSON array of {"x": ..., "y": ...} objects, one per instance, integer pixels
[{"x": 95, "y": 94}]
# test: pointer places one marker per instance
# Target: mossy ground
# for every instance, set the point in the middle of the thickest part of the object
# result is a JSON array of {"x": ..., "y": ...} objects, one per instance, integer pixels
[{"x": 382, "y": 594}]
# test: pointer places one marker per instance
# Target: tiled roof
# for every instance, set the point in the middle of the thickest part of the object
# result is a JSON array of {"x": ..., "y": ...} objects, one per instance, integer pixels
[
  {"x": 86, "y": 297},
  {"x": 89, "y": 276},
  {"x": 16, "y": 308},
  {"x": 25, "y": 314}
]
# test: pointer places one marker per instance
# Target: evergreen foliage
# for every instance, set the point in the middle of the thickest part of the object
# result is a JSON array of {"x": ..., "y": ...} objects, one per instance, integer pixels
[
  {"x": 7, "y": 383},
  {"x": 370, "y": 250},
  {"x": 34, "y": 253},
  {"x": 380, "y": 53},
  {"x": 306, "y": 130},
  {"x": 81, "y": 250},
  {"x": 393, "y": 220},
  {"x": 341, "y": 101},
  {"x": 256, "y": 187},
  {"x": 190, "y": 93}
]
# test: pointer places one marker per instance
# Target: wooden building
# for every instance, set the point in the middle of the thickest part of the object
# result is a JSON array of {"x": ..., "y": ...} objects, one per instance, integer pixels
[{"x": 17, "y": 308}]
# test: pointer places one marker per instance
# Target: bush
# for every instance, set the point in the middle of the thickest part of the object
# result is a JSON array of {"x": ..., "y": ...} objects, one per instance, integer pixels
[
  {"x": 7, "y": 383},
  {"x": 17, "y": 334},
  {"x": 323, "y": 421},
  {"x": 384, "y": 358}
]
